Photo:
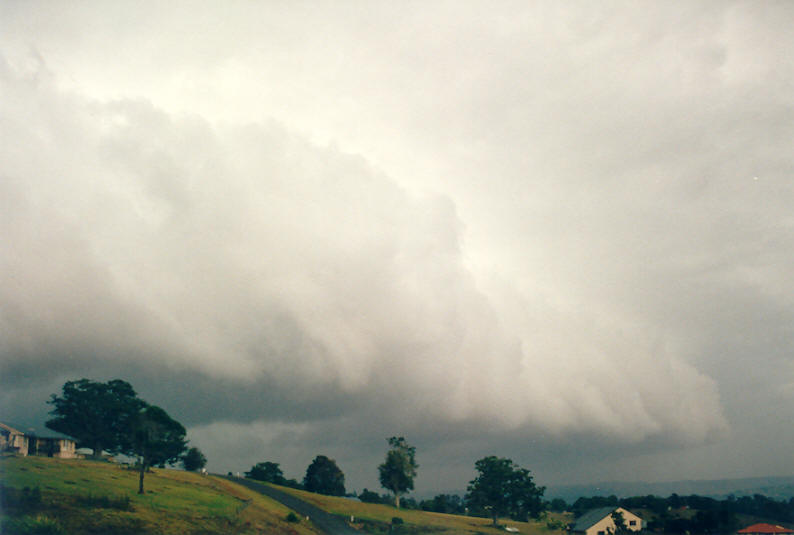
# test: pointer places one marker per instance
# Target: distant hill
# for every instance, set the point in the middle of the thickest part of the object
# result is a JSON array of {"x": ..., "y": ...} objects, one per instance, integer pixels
[{"x": 779, "y": 488}]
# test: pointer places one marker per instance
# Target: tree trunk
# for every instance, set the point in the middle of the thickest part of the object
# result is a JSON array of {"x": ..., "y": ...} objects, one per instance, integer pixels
[
  {"x": 140, "y": 479},
  {"x": 97, "y": 454},
  {"x": 396, "y": 500},
  {"x": 495, "y": 519}
]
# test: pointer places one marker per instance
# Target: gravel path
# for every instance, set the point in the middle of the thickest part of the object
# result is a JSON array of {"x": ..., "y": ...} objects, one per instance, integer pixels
[{"x": 325, "y": 522}]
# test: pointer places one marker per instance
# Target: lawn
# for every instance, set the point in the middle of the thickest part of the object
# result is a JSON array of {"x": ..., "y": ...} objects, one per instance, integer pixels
[
  {"x": 82, "y": 497},
  {"x": 415, "y": 521},
  {"x": 91, "y": 497}
]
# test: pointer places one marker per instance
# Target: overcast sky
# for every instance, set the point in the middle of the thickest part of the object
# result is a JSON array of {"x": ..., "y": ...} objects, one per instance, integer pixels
[{"x": 560, "y": 232}]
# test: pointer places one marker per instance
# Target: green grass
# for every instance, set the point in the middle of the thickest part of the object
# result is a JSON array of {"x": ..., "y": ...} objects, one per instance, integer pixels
[
  {"x": 88, "y": 497},
  {"x": 81, "y": 497},
  {"x": 416, "y": 521}
]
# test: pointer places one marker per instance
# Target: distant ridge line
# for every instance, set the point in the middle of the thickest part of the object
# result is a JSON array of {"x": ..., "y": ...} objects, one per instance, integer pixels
[{"x": 777, "y": 487}]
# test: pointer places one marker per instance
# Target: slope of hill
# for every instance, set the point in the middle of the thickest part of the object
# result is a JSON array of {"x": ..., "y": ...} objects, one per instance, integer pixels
[
  {"x": 54, "y": 496},
  {"x": 46, "y": 495}
]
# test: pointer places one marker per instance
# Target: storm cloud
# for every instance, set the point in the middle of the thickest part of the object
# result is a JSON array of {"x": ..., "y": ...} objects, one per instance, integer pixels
[{"x": 543, "y": 232}]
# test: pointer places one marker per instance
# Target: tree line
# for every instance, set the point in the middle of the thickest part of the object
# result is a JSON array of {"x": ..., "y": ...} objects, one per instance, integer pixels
[
  {"x": 501, "y": 488},
  {"x": 110, "y": 417},
  {"x": 710, "y": 515}
]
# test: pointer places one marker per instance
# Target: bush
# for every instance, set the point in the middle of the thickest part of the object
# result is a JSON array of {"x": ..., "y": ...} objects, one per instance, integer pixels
[
  {"x": 27, "y": 525},
  {"x": 23, "y": 501},
  {"x": 396, "y": 521},
  {"x": 292, "y": 517},
  {"x": 121, "y": 503}
]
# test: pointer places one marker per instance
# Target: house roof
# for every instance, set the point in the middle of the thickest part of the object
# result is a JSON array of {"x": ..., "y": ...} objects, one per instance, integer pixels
[
  {"x": 592, "y": 517},
  {"x": 765, "y": 528},
  {"x": 31, "y": 431},
  {"x": 10, "y": 429}
]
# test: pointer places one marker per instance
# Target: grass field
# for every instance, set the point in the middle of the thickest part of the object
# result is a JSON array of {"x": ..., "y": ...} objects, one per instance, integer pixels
[
  {"x": 88, "y": 497},
  {"x": 417, "y": 521}
]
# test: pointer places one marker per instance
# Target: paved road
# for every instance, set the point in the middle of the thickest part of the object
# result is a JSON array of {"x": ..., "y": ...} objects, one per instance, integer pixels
[{"x": 326, "y": 522}]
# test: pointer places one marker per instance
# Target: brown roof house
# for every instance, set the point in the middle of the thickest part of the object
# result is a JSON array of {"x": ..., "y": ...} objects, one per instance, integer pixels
[
  {"x": 599, "y": 521},
  {"x": 765, "y": 529},
  {"x": 28, "y": 443}
]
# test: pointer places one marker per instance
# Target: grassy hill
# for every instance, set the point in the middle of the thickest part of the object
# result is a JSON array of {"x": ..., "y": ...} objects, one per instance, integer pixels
[
  {"x": 53, "y": 496},
  {"x": 87, "y": 497},
  {"x": 374, "y": 517}
]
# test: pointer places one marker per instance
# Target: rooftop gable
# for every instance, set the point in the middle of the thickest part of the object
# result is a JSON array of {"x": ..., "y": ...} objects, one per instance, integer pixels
[
  {"x": 592, "y": 517},
  {"x": 765, "y": 528}
]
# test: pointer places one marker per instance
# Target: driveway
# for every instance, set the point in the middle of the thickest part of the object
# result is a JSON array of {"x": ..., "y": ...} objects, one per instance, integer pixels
[{"x": 325, "y": 522}]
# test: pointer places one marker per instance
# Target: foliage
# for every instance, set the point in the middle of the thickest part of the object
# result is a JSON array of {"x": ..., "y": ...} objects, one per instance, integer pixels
[
  {"x": 555, "y": 525},
  {"x": 504, "y": 489},
  {"x": 120, "y": 503},
  {"x": 397, "y": 473},
  {"x": 444, "y": 503},
  {"x": 268, "y": 472},
  {"x": 368, "y": 496},
  {"x": 175, "y": 503},
  {"x": 98, "y": 415},
  {"x": 292, "y": 517},
  {"x": 582, "y": 505},
  {"x": 557, "y": 505},
  {"x": 22, "y": 501},
  {"x": 323, "y": 476},
  {"x": 193, "y": 460},
  {"x": 620, "y": 523},
  {"x": 27, "y": 525},
  {"x": 156, "y": 438}
]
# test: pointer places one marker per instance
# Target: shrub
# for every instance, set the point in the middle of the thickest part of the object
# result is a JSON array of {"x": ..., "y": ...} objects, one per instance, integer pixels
[
  {"x": 121, "y": 503},
  {"x": 292, "y": 517},
  {"x": 396, "y": 521},
  {"x": 25, "y": 500},
  {"x": 27, "y": 525}
]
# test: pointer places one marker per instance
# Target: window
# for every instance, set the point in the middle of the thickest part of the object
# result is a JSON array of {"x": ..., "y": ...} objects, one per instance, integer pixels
[
  {"x": 632, "y": 522},
  {"x": 602, "y": 533}
]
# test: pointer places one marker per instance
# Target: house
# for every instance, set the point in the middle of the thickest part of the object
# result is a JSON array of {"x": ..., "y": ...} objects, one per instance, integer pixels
[
  {"x": 28, "y": 443},
  {"x": 764, "y": 529},
  {"x": 599, "y": 521}
]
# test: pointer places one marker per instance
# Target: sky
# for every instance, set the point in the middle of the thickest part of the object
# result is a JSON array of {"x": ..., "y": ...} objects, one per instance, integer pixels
[{"x": 558, "y": 232}]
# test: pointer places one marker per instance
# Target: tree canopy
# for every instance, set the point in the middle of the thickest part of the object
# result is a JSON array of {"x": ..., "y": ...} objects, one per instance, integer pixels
[
  {"x": 397, "y": 473},
  {"x": 193, "y": 460},
  {"x": 266, "y": 471},
  {"x": 504, "y": 489},
  {"x": 157, "y": 439},
  {"x": 98, "y": 415},
  {"x": 324, "y": 477}
]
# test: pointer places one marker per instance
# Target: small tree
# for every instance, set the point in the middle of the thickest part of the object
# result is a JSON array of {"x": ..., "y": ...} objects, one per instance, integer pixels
[
  {"x": 502, "y": 488},
  {"x": 193, "y": 460},
  {"x": 98, "y": 415},
  {"x": 268, "y": 472},
  {"x": 156, "y": 439},
  {"x": 397, "y": 473},
  {"x": 324, "y": 477}
]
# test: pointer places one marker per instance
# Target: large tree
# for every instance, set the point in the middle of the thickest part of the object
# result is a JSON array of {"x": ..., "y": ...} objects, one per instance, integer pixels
[
  {"x": 98, "y": 415},
  {"x": 504, "y": 489},
  {"x": 267, "y": 471},
  {"x": 193, "y": 460},
  {"x": 157, "y": 440},
  {"x": 323, "y": 476},
  {"x": 397, "y": 473}
]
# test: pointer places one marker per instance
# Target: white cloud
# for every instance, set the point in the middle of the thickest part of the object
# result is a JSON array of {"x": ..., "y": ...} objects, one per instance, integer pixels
[{"x": 543, "y": 218}]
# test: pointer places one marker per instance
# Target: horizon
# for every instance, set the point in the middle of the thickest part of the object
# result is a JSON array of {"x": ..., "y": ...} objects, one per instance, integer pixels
[{"x": 545, "y": 231}]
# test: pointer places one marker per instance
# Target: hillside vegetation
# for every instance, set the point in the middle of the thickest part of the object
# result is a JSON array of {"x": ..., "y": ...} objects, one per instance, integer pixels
[
  {"x": 48, "y": 495},
  {"x": 377, "y": 517}
]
